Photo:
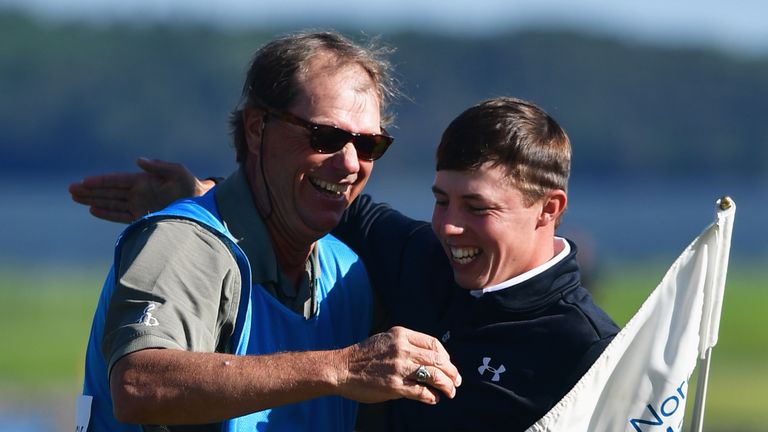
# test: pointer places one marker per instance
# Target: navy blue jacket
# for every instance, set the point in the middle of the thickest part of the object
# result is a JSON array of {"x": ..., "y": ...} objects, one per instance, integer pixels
[{"x": 519, "y": 350}]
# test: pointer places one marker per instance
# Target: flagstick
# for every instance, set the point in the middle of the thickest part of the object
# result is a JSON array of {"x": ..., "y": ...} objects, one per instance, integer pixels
[
  {"x": 702, "y": 381},
  {"x": 701, "y": 392}
]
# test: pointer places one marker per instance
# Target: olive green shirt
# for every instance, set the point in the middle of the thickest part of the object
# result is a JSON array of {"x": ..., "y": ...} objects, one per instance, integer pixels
[{"x": 178, "y": 285}]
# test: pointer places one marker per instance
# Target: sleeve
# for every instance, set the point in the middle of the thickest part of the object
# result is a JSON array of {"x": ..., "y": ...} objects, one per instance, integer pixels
[
  {"x": 598, "y": 330},
  {"x": 379, "y": 235},
  {"x": 405, "y": 263},
  {"x": 177, "y": 286},
  {"x": 376, "y": 232}
]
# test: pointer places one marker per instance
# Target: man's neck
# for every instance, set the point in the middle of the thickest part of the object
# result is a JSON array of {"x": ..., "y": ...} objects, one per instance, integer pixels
[
  {"x": 560, "y": 248},
  {"x": 291, "y": 248},
  {"x": 291, "y": 256}
]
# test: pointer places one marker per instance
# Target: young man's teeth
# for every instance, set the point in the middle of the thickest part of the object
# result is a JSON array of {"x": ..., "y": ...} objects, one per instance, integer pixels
[
  {"x": 464, "y": 255},
  {"x": 331, "y": 187}
]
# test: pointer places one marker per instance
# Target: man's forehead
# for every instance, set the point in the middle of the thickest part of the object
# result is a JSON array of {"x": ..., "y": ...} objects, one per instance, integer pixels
[
  {"x": 326, "y": 66},
  {"x": 339, "y": 91}
]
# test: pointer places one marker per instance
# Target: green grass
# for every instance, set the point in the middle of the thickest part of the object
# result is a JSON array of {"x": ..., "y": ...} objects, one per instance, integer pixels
[
  {"x": 45, "y": 316},
  {"x": 736, "y": 398}
]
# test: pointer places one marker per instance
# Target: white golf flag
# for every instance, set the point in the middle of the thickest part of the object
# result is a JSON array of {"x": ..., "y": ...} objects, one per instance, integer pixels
[{"x": 640, "y": 382}]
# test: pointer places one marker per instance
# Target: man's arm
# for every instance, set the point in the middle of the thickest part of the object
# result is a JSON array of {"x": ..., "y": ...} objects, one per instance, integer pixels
[
  {"x": 166, "y": 372},
  {"x": 125, "y": 197},
  {"x": 367, "y": 226},
  {"x": 164, "y": 386}
]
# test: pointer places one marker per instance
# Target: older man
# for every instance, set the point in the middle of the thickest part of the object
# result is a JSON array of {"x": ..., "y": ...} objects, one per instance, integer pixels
[{"x": 236, "y": 310}]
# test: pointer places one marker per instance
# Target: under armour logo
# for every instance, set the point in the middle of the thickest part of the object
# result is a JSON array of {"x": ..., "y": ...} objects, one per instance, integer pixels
[
  {"x": 446, "y": 336},
  {"x": 495, "y": 371},
  {"x": 147, "y": 319}
]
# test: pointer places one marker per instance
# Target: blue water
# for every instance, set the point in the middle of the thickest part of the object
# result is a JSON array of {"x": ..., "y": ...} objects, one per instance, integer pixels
[{"x": 621, "y": 220}]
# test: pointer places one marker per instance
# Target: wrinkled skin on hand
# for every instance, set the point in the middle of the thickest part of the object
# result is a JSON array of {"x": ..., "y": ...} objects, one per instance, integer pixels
[{"x": 383, "y": 367}]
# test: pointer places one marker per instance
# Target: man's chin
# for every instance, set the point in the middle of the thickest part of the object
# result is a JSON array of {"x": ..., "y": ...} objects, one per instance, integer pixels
[
  {"x": 323, "y": 224},
  {"x": 466, "y": 282}
]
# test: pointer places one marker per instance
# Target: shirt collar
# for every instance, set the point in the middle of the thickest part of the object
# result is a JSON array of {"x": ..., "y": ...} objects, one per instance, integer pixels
[
  {"x": 560, "y": 244},
  {"x": 242, "y": 219}
]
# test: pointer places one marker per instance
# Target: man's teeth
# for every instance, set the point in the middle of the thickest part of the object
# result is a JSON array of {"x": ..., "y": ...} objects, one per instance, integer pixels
[
  {"x": 330, "y": 187},
  {"x": 464, "y": 255}
]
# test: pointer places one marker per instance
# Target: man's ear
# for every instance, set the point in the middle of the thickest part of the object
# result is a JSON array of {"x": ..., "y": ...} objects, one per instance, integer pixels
[
  {"x": 553, "y": 206},
  {"x": 253, "y": 120}
]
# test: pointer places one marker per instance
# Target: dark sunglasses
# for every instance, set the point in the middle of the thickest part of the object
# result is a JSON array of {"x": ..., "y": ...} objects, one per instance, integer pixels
[{"x": 330, "y": 139}]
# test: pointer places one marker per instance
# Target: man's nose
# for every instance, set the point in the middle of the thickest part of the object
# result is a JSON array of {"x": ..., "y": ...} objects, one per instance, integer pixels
[
  {"x": 450, "y": 229},
  {"x": 347, "y": 159},
  {"x": 449, "y": 223}
]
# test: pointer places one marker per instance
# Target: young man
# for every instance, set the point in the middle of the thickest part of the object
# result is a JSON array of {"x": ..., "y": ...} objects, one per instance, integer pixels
[{"x": 489, "y": 278}]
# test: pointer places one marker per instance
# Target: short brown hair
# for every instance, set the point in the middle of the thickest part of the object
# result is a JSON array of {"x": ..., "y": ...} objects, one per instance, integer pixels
[
  {"x": 274, "y": 74},
  {"x": 514, "y": 134}
]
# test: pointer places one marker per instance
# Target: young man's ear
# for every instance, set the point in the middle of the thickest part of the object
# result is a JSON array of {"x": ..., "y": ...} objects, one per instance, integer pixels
[
  {"x": 253, "y": 120},
  {"x": 553, "y": 206}
]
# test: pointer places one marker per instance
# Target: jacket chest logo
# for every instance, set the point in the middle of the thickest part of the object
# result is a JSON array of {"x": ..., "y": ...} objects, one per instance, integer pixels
[{"x": 495, "y": 371}]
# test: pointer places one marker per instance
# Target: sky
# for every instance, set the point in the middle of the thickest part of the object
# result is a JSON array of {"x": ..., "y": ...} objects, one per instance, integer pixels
[{"x": 733, "y": 25}]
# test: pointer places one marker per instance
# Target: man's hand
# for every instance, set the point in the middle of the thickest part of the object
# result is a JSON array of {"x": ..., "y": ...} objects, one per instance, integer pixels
[
  {"x": 125, "y": 197},
  {"x": 169, "y": 386},
  {"x": 384, "y": 367}
]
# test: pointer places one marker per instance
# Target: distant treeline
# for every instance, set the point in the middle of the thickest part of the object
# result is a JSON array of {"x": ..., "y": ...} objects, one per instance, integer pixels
[{"x": 81, "y": 97}]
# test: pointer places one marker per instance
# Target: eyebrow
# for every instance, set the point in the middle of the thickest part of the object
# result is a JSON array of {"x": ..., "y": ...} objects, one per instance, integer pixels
[{"x": 475, "y": 196}]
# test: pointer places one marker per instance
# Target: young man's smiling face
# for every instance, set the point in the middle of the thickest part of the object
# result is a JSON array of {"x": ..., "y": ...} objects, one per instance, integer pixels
[{"x": 488, "y": 232}]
